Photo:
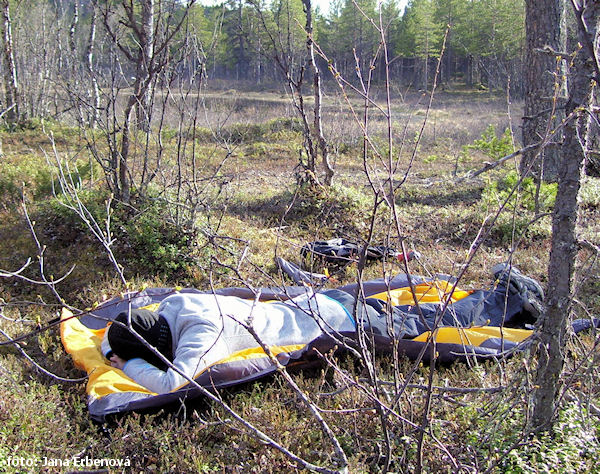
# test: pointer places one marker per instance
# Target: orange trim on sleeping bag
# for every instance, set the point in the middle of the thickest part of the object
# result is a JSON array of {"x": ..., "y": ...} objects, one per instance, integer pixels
[
  {"x": 474, "y": 336},
  {"x": 436, "y": 291},
  {"x": 248, "y": 354},
  {"x": 83, "y": 344}
]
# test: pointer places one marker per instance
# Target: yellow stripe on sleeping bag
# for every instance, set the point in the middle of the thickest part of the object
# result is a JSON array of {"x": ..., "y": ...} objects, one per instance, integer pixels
[
  {"x": 151, "y": 306},
  {"x": 474, "y": 336},
  {"x": 248, "y": 354},
  {"x": 436, "y": 291},
  {"x": 257, "y": 352},
  {"x": 83, "y": 344}
]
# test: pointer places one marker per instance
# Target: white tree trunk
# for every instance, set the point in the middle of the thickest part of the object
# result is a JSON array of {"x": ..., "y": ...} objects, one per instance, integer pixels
[
  {"x": 11, "y": 85},
  {"x": 145, "y": 64},
  {"x": 93, "y": 92}
]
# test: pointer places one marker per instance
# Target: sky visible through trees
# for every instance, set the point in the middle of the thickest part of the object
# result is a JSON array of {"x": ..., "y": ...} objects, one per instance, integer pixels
[{"x": 324, "y": 6}]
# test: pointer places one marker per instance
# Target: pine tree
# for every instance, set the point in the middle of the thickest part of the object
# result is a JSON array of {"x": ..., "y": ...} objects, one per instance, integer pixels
[{"x": 426, "y": 33}]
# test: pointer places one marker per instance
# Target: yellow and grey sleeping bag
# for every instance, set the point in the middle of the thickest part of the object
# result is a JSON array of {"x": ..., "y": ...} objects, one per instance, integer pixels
[{"x": 463, "y": 324}]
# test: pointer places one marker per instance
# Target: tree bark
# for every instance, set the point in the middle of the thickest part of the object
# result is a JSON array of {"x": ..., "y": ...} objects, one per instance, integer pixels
[
  {"x": 242, "y": 65},
  {"x": 11, "y": 84},
  {"x": 564, "y": 224},
  {"x": 545, "y": 88},
  {"x": 73, "y": 43},
  {"x": 123, "y": 156}
]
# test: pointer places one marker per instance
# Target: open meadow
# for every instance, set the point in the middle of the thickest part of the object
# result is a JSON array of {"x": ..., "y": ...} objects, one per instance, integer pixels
[{"x": 225, "y": 198}]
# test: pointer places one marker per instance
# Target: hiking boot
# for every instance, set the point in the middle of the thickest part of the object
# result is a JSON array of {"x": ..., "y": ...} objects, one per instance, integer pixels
[
  {"x": 533, "y": 308},
  {"x": 515, "y": 280}
]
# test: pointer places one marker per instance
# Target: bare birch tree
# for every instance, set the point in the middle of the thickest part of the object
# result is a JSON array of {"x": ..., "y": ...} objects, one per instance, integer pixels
[
  {"x": 11, "y": 85},
  {"x": 317, "y": 122},
  {"x": 148, "y": 59},
  {"x": 145, "y": 60},
  {"x": 93, "y": 91}
]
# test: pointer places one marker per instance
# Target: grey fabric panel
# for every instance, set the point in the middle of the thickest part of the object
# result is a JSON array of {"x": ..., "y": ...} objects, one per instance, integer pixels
[
  {"x": 379, "y": 285},
  {"x": 300, "y": 276},
  {"x": 584, "y": 324},
  {"x": 502, "y": 345},
  {"x": 120, "y": 402},
  {"x": 446, "y": 353},
  {"x": 109, "y": 310}
]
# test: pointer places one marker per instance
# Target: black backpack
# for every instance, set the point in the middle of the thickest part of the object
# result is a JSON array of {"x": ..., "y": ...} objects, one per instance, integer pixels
[{"x": 341, "y": 252}]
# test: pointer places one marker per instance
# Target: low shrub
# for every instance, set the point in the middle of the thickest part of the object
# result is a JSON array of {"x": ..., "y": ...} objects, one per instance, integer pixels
[
  {"x": 32, "y": 175},
  {"x": 61, "y": 225},
  {"x": 519, "y": 195},
  {"x": 338, "y": 209},
  {"x": 155, "y": 245},
  {"x": 520, "y": 198},
  {"x": 256, "y": 132},
  {"x": 509, "y": 228},
  {"x": 517, "y": 218},
  {"x": 571, "y": 446},
  {"x": 22, "y": 176},
  {"x": 146, "y": 241},
  {"x": 491, "y": 144}
]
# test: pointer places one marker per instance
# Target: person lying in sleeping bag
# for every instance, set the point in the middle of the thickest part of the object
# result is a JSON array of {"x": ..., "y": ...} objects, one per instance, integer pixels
[{"x": 194, "y": 331}]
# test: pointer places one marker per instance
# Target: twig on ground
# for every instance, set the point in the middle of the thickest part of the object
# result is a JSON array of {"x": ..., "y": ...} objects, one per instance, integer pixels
[{"x": 495, "y": 164}]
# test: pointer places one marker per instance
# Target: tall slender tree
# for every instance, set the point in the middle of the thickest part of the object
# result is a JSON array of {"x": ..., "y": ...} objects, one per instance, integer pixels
[
  {"x": 144, "y": 64},
  {"x": 427, "y": 33},
  {"x": 584, "y": 74},
  {"x": 93, "y": 91},
  {"x": 545, "y": 87},
  {"x": 321, "y": 142},
  {"x": 11, "y": 85}
]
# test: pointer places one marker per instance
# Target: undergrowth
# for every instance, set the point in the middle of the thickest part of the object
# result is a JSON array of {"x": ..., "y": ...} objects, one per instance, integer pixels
[
  {"x": 525, "y": 207},
  {"x": 492, "y": 145},
  {"x": 236, "y": 236}
]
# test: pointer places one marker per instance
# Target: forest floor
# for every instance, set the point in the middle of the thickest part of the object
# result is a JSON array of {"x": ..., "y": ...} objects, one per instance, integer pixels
[{"x": 247, "y": 146}]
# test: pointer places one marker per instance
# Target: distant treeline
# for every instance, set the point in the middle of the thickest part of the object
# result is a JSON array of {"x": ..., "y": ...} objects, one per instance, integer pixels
[
  {"x": 70, "y": 52},
  {"x": 484, "y": 40}
]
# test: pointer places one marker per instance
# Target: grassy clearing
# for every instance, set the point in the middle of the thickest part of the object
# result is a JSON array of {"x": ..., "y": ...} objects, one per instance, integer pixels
[{"x": 251, "y": 211}]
